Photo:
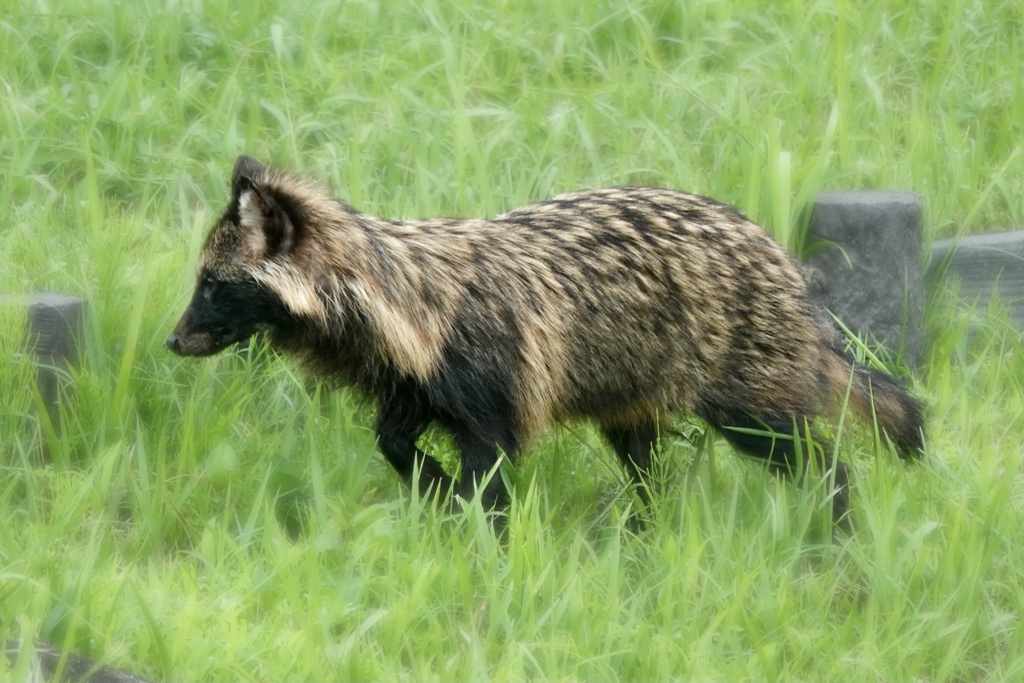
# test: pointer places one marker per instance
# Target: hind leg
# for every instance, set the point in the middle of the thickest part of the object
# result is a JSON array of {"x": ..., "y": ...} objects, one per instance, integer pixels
[
  {"x": 777, "y": 447},
  {"x": 634, "y": 445}
]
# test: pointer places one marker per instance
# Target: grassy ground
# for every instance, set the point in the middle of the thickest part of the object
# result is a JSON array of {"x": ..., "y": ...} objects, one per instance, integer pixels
[{"x": 231, "y": 520}]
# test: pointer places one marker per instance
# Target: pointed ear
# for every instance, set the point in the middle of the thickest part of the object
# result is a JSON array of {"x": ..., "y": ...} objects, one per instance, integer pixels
[
  {"x": 245, "y": 173},
  {"x": 268, "y": 228}
]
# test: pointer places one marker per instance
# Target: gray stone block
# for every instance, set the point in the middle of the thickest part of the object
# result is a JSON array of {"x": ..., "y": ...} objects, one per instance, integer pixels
[
  {"x": 983, "y": 264},
  {"x": 74, "y": 668},
  {"x": 865, "y": 249},
  {"x": 55, "y": 323}
]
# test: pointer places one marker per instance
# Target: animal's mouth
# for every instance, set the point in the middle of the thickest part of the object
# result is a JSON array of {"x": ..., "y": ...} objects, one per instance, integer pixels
[{"x": 203, "y": 343}]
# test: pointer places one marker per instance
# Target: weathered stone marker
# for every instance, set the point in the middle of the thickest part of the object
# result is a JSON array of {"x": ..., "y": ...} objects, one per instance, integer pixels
[
  {"x": 55, "y": 323},
  {"x": 983, "y": 264},
  {"x": 77, "y": 669},
  {"x": 866, "y": 248}
]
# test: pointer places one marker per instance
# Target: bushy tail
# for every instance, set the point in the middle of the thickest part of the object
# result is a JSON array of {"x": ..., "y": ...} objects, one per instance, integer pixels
[{"x": 877, "y": 397}]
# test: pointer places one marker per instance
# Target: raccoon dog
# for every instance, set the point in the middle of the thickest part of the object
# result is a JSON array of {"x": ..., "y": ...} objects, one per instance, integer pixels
[{"x": 625, "y": 306}]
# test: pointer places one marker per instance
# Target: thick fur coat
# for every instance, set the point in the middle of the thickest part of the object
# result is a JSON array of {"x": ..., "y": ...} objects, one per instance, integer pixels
[{"x": 624, "y": 306}]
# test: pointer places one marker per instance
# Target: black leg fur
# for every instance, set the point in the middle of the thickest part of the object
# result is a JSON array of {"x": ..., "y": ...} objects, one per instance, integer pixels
[
  {"x": 473, "y": 394},
  {"x": 634, "y": 446},
  {"x": 479, "y": 445},
  {"x": 402, "y": 416},
  {"x": 780, "y": 452}
]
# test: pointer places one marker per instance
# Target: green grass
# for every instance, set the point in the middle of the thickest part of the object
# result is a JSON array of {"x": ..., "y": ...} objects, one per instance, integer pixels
[{"x": 231, "y": 519}]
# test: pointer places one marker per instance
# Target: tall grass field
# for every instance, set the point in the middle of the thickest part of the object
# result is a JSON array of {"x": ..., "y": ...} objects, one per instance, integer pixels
[{"x": 231, "y": 519}]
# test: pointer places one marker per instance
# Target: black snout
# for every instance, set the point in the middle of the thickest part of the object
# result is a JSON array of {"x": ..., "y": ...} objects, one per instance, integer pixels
[{"x": 223, "y": 313}]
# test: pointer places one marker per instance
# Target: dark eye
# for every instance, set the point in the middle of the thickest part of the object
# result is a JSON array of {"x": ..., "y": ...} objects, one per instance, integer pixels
[{"x": 209, "y": 288}]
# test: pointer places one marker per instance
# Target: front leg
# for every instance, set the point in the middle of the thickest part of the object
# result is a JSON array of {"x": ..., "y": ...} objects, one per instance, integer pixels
[
  {"x": 479, "y": 447},
  {"x": 402, "y": 416}
]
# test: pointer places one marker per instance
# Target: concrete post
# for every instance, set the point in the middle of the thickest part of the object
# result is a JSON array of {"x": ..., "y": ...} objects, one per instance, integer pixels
[
  {"x": 984, "y": 264},
  {"x": 865, "y": 248},
  {"x": 55, "y": 323}
]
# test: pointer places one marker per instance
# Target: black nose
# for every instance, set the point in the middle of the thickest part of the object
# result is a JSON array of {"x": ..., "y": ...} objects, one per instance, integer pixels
[{"x": 174, "y": 342}]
